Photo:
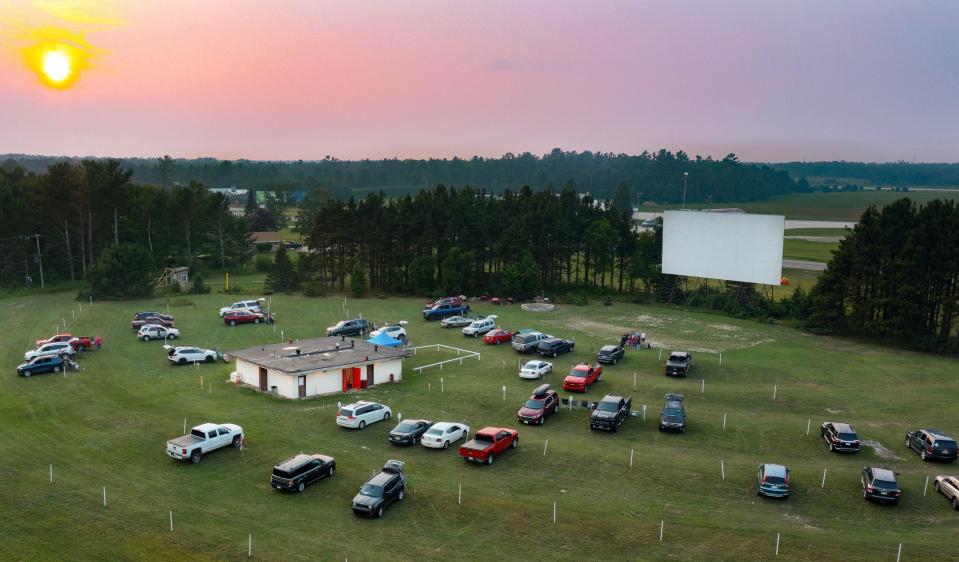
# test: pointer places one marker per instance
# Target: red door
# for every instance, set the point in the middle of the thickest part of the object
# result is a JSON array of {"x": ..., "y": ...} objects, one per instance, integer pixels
[
  {"x": 357, "y": 377},
  {"x": 346, "y": 380}
]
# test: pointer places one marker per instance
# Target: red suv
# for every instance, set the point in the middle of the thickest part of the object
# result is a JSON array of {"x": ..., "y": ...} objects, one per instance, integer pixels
[{"x": 542, "y": 403}]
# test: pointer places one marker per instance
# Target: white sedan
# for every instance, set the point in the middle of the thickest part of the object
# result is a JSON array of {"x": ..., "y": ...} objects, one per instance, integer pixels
[
  {"x": 535, "y": 369},
  {"x": 395, "y": 331},
  {"x": 157, "y": 332},
  {"x": 184, "y": 355},
  {"x": 441, "y": 434}
]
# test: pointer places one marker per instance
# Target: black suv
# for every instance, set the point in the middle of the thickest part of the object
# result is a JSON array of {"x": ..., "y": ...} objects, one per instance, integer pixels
[
  {"x": 932, "y": 444},
  {"x": 298, "y": 471},
  {"x": 673, "y": 416},
  {"x": 879, "y": 484},
  {"x": 554, "y": 346},
  {"x": 409, "y": 432},
  {"x": 609, "y": 354},
  {"x": 355, "y": 327},
  {"x": 840, "y": 437},
  {"x": 381, "y": 490}
]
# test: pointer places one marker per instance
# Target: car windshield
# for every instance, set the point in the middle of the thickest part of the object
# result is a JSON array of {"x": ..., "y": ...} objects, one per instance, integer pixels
[
  {"x": 607, "y": 406},
  {"x": 404, "y": 427},
  {"x": 435, "y": 431},
  {"x": 949, "y": 445},
  {"x": 672, "y": 413},
  {"x": 577, "y": 373},
  {"x": 345, "y": 412},
  {"x": 371, "y": 490},
  {"x": 884, "y": 485},
  {"x": 484, "y": 438},
  {"x": 340, "y": 324},
  {"x": 847, "y": 436},
  {"x": 535, "y": 404},
  {"x": 198, "y": 433}
]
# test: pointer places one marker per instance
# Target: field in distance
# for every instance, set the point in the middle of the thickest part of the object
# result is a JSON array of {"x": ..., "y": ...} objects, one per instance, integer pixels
[{"x": 106, "y": 427}]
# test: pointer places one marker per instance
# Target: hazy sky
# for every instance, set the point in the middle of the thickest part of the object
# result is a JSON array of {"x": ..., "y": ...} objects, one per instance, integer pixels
[{"x": 769, "y": 80}]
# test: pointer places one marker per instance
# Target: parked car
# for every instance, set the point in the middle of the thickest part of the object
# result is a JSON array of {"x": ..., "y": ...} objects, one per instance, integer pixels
[
  {"x": 501, "y": 300},
  {"x": 487, "y": 443},
  {"x": 880, "y": 485},
  {"x": 525, "y": 341},
  {"x": 203, "y": 439},
  {"x": 444, "y": 310},
  {"x": 249, "y": 306},
  {"x": 840, "y": 437},
  {"x": 454, "y": 301},
  {"x": 42, "y": 364},
  {"x": 157, "y": 332},
  {"x": 479, "y": 327},
  {"x": 360, "y": 414},
  {"x": 611, "y": 412},
  {"x": 47, "y": 349},
  {"x": 409, "y": 432},
  {"x": 299, "y": 471},
  {"x": 772, "y": 481},
  {"x": 353, "y": 327},
  {"x": 554, "y": 347},
  {"x": 544, "y": 402},
  {"x": 673, "y": 415},
  {"x": 581, "y": 377},
  {"x": 535, "y": 369},
  {"x": 291, "y": 245},
  {"x": 949, "y": 487},
  {"x": 456, "y": 321},
  {"x": 497, "y": 336},
  {"x": 75, "y": 341},
  {"x": 381, "y": 490},
  {"x": 142, "y": 318},
  {"x": 932, "y": 444},
  {"x": 441, "y": 434},
  {"x": 235, "y": 317},
  {"x": 396, "y": 331},
  {"x": 679, "y": 363},
  {"x": 609, "y": 354},
  {"x": 183, "y": 355}
]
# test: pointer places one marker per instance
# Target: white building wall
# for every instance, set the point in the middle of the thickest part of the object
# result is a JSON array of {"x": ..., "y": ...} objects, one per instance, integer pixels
[
  {"x": 285, "y": 384},
  {"x": 324, "y": 382},
  {"x": 318, "y": 383},
  {"x": 382, "y": 371},
  {"x": 249, "y": 372}
]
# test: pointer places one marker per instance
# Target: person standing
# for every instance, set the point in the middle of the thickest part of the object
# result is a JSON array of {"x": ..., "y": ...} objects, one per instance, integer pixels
[{"x": 98, "y": 341}]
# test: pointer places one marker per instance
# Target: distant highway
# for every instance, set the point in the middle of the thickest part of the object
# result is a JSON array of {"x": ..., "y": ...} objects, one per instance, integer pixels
[
  {"x": 790, "y": 224},
  {"x": 802, "y": 264}
]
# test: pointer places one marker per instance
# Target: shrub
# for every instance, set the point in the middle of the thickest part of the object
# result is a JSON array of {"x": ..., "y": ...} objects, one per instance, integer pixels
[
  {"x": 314, "y": 288},
  {"x": 263, "y": 263}
]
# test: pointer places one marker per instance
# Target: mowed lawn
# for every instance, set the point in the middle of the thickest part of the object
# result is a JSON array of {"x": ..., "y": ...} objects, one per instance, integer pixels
[
  {"x": 107, "y": 426},
  {"x": 810, "y": 250}
]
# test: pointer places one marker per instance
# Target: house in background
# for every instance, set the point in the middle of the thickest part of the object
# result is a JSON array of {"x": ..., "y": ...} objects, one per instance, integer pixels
[
  {"x": 317, "y": 367},
  {"x": 269, "y": 236}
]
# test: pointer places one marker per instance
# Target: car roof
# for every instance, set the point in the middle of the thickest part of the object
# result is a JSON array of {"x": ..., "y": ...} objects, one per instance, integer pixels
[
  {"x": 938, "y": 434},
  {"x": 883, "y": 474},
  {"x": 294, "y": 461},
  {"x": 444, "y": 425},
  {"x": 358, "y": 404},
  {"x": 612, "y": 398},
  {"x": 679, "y": 353},
  {"x": 382, "y": 478},
  {"x": 206, "y": 426},
  {"x": 678, "y": 397},
  {"x": 775, "y": 470},
  {"x": 609, "y": 347},
  {"x": 843, "y": 427},
  {"x": 415, "y": 421}
]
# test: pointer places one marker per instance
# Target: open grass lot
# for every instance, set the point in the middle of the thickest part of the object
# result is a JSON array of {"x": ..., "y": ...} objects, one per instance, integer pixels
[
  {"x": 816, "y": 232},
  {"x": 107, "y": 425},
  {"x": 825, "y": 206},
  {"x": 812, "y": 250}
]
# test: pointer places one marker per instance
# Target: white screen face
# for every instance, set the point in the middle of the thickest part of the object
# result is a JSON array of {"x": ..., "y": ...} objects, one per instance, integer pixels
[{"x": 728, "y": 246}]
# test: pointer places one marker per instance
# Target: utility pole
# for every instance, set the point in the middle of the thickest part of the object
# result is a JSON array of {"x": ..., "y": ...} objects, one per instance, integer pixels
[
  {"x": 685, "y": 178},
  {"x": 39, "y": 259}
]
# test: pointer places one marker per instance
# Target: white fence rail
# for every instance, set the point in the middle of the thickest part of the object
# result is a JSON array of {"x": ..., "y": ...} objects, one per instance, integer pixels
[{"x": 461, "y": 354}]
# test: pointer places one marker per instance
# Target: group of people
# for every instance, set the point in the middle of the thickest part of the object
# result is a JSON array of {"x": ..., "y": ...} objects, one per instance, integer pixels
[
  {"x": 69, "y": 363},
  {"x": 636, "y": 340}
]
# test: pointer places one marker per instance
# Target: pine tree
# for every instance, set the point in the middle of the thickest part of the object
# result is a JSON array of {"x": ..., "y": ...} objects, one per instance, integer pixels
[{"x": 282, "y": 276}]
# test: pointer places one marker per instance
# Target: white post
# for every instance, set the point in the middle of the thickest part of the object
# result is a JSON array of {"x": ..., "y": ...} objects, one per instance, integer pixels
[
  {"x": 808, "y": 422},
  {"x": 631, "y": 451},
  {"x": 775, "y": 388},
  {"x": 925, "y": 486},
  {"x": 91, "y": 299},
  {"x": 171, "y": 521},
  {"x": 554, "y": 511},
  {"x": 720, "y": 358},
  {"x": 777, "y": 544},
  {"x": 63, "y": 318},
  {"x": 724, "y": 420},
  {"x": 644, "y": 412},
  {"x": 702, "y": 389},
  {"x": 80, "y": 304},
  {"x": 184, "y": 426},
  {"x": 249, "y": 547},
  {"x": 459, "y": 498},
  {"x": 722, "y": 468},
  {"x": 634, "y": 380},
  {"x": 51, "y": 474},
  {"x": 441, "y": 384},
  {"x": 104, "y": 496},
  {"x": 661, "y": 524},
  {"x": 899, "y": 552},
  {"x": 823, "y": 478},
  {"x": 545, "y": 445},
  {"x": 74, "y": 313},
  {"x": 429, "y": 387},
  {"x": 399, "y": 416},
  {"x": 504, "y": 393},
  {"x": 519, "y": 364},
  {"x": 201, "y": 381},
  {"x": 660, "y": 354},
  {"x": 282, "y": 338}
]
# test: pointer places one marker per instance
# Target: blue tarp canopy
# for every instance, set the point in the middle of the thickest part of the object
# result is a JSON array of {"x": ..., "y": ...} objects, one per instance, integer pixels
[{"x": 385, "y": 340}]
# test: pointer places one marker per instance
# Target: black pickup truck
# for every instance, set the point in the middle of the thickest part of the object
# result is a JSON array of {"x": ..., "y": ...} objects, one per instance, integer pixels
[
  {"x": 610, "y": 413},
  {"x": 679, "y": 363}
]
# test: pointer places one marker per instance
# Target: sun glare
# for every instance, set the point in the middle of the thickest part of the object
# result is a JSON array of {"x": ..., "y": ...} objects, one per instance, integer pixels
[{"x": 56, "y": 66}]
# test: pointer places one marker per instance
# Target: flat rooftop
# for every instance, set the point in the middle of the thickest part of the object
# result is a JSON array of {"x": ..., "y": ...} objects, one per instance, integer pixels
[{"x": 317, "y": 354}]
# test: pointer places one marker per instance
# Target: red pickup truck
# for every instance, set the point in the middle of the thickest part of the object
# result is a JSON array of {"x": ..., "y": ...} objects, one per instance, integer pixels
[
  {"x": 487, "y": 443},
  {"x": 581, "y": 377},
  {"x": 76, "y": 342}
]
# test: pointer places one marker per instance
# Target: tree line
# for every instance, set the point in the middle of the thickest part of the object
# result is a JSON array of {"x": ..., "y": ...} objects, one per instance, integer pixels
[
  {"x": 82, "y": 210},
  {"x": 895, "y": 277},
  {"x": 650, "y": 176},
  {"x": 887, "y": 173}
]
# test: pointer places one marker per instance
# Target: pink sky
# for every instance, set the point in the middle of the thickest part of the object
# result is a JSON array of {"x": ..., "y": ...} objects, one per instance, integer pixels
[{"x": 770, "y": 81}]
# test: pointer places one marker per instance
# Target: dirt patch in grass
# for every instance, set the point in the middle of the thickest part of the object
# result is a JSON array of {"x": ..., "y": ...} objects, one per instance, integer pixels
[{"x": 881, "y": 450}]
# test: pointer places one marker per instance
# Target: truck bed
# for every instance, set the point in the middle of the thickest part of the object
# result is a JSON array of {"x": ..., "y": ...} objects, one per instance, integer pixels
[
  {"x": 185, "y": 441},
  {"x": 478, "y": 446}
]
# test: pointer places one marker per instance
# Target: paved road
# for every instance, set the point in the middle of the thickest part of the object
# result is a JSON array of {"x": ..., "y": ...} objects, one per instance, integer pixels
[
  {"x": 801, "y": 264},
  {"x": 815, "y": 238},
  {"x": 643, "y": 215}
]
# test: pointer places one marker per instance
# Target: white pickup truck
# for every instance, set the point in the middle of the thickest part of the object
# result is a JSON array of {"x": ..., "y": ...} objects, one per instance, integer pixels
[{"x": 203, "y": 439}]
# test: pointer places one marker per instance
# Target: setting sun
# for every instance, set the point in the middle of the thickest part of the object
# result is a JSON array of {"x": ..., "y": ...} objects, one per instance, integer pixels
[{"x": 56, "y": 66}]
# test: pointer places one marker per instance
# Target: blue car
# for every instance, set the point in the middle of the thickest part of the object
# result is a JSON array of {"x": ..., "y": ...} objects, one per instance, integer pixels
[
  {"x": 42, "y": 364},
  {"x": 772, "y": 481}
]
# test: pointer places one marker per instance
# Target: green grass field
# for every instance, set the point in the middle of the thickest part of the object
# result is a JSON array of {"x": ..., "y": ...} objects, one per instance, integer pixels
[
  {"x": 808, "y": 250},
  {"x": 823, "y": 206},
  {"x": 816, "y": 232},
  {"x": 107, "y": 426}
]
